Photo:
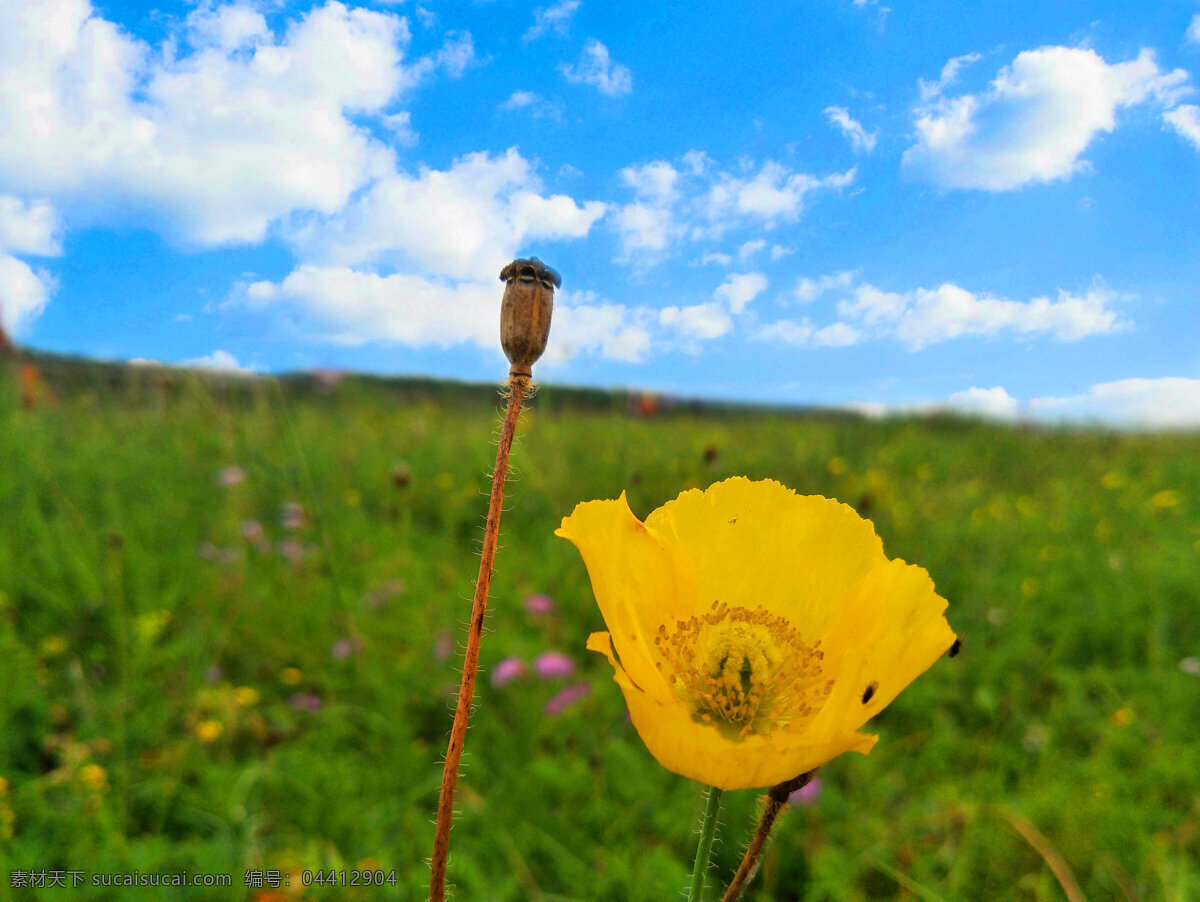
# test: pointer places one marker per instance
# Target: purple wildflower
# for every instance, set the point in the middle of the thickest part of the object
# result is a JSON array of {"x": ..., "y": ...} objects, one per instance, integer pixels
[
  {"x": 230, "y": 476},
  {"x": 554, "y": 665},
  {"x": 293, "y": 516},
  {"x": 344, "y": 648},
  {"x": 292, "y": 550},
  {"x": 539, "y": 605},
  {"x": 566, "y": 697},
  {"x": 508, "y": 670},
  {"x": 305, "y": 701}
]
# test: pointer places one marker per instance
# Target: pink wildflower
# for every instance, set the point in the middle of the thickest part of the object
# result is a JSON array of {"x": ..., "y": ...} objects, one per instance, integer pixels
[
  {"x": 539, "y": 605},
  {"x": 230, "y": 476},
  {"x": 554, "y": 665},
  {"x": 566, "y": 697},
  {"x": 508, "y": 670}
]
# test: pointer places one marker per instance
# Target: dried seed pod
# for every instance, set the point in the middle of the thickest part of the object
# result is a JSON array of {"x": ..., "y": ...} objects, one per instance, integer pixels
[{"x": 525, "y": 310}]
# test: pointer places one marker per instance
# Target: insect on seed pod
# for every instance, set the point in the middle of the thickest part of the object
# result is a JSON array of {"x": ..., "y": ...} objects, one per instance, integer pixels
[{"x": 525, "y": 311}]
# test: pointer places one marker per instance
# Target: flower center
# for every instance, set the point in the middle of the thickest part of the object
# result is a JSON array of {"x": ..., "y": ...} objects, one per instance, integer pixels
[{"x": 743, "y": 671}]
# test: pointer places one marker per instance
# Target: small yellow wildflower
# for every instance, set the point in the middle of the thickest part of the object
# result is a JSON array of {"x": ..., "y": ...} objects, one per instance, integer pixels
[
  {"x": 52, "y": 646},
  {"x": 3, "y": 787},
  {"x": 93, "y": 776},
  {"x": 208, "y": 731},
  {"x": 1122, "y": 717},
  {"x": 756, "y": 629},
  {"x": 1114, "y": 479},
  {"x": 1164, "y": 500},
  {"x": 836, "y": 466},
  {"x": 246, "y": 697},
  {"x": 1030, "y": 587},
  {"x": 292, "y": 676}
]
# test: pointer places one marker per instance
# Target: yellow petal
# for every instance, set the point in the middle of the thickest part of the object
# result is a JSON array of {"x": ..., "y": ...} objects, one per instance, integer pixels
[
  {"x": 638, "y": 578},
  {"x": 759, "y": 543},
  {"x": 699, "y": 751},
  {"x": 890, "y": 629}
]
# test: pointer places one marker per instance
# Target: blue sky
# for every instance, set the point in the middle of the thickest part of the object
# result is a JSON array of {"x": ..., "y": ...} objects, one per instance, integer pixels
[{"x": 991, "y": 207}]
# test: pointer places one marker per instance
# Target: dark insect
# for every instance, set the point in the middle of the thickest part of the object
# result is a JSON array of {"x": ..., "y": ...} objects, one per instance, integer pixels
[
  {"x": 870, "y": 692},
  {"x": 955, "y": 648}
]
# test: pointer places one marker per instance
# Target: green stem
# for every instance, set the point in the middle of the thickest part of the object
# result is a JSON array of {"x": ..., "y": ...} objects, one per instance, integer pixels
[{"x": 708, "y": 832}]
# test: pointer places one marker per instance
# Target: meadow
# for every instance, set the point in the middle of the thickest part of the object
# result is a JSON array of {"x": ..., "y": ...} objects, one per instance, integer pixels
[{"x": 230, "y": 612}]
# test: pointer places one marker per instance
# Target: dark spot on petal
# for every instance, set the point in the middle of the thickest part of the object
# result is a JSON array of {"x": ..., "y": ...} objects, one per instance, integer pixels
[
  {"x": 734, "y": 520},
  {"x": 870, "y": 691},
  {"x": 956, "y": 647}
]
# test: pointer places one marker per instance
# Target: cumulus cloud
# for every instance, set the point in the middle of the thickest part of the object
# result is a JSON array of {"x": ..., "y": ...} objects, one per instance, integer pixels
[
  {"x": 699, "y": 200},
  {"x": 1186, "y": 121},
  {"x": 949, "y": 75},
  {"x": 212, "y": 144},
  {"x": 23, "y": 294},
  {"x": 808, "y": 290},
  {"x": 596, "y": 67},
  {"x": 534, "y": 104},
  {"x": 463, "y": 222},
  {"x": 1164, "y": 403},
  {"x": 29, "y": 227},
  {"x": 347, "y": 306},
  {"x": 861, "y": 140},
  {"x": 699, "y": 321},
  {"x": 1034, "y": 121},
  {"x": 804, "y": 334},
  {"x": 922, "y": 317},
  {"x": 1193, "y": 32},
  {"x": 218, "y": 361},
  {"x": 739, "y": 289},
  {"x": 555, "y": 18},
  {"x": 990, "y": 403}
]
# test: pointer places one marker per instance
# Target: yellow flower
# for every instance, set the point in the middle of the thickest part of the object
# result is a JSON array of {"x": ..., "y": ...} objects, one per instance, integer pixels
[
  {"x": 208, "y": 731},
  {"x": 292, "y": 676},
  {"x": 755, "y": 629},
  {"x": 246, "y": 696},
  {"x": 1165, "y": 499},
  {"x": 93, "y": 776}
]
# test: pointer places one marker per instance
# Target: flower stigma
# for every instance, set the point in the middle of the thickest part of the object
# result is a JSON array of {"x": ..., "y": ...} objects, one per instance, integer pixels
[{"x": 742, "y": 671}]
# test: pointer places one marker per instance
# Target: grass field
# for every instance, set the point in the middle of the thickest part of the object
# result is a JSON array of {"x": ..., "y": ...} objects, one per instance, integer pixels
[{"x": 220, "y": 670}]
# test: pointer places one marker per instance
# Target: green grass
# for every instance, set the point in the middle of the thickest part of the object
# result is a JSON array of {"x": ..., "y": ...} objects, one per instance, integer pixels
[{"x": 1074, "y": 582}]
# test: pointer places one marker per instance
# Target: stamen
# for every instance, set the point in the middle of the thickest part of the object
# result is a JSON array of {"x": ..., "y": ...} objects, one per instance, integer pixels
[{"x": 743, "y": 671}]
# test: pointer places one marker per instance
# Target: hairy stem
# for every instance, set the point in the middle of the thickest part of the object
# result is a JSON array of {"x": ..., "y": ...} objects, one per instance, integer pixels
[
  {"x": 776, "y": 800},
  {"x": 518, "y": 386},
  {"x": 708, "y": 832}
]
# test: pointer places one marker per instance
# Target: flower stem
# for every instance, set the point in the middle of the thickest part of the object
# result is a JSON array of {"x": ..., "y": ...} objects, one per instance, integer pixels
[
  {"x": 776, "y": 799},
  {"x": 518, "y": 386},
  {"x": 708, "y": 832}
]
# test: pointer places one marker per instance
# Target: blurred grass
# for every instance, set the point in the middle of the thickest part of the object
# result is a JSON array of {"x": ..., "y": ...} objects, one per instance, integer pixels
[{"x": 173, "y": 694}]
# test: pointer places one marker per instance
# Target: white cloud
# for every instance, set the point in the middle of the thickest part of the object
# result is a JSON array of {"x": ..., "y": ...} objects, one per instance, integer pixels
[
  {"x": 1193, "y": 32},
  {"x": 808, "y": 290},
  {"x": 739, "y": 289},
  {"x": 773, "y": 193},
  {"x": 701, "y": 201},
  {"x": 1034, "y": 121},
  {"x": 805, "y": 334},
  {"x": 1186, "y": 121},
  {"x": 716, "y": 257},
  {"x": 922, "y": 317},
  {"x": 555, "y": 18},
  {"x": 613, "y": 331},
  {"x": 988, "y": 402},
  {"x": 465, "y": 222},
  {"x": 778, "y": 251},
  {"x": 928, "y": 316},
  {"x": 750, "y": 248},
  {"x": 537, "y": 106},
  {"x": 29, "y": 227},
  {"x": 991, "y": 403},
  {"x": 23, "y": 294},
  {"x": 220, "y": 361},
  {"x": 1164, "y": 403},
  {"x": 930, "y": 90},
  {"x": 220, "y": 132},
  {"x": 860, "y": 139},
  {"x": 595, "y": 67},
  {"x": 700, "y": 321}
]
